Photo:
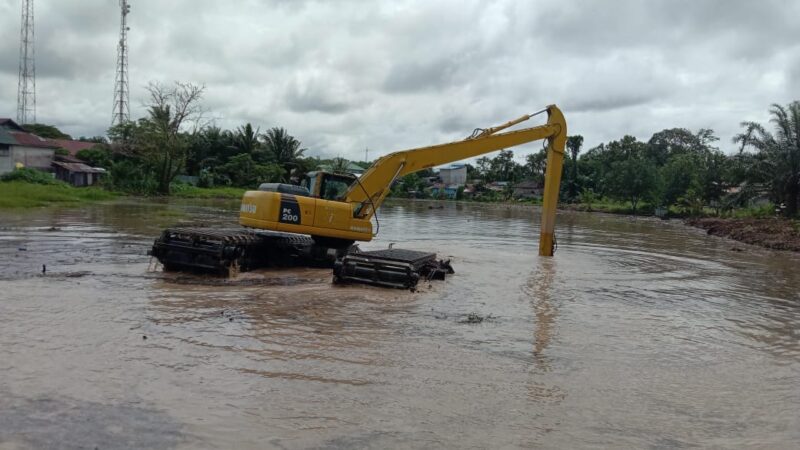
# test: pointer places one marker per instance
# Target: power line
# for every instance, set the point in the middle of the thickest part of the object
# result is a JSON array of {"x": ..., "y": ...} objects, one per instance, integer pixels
[
  {"x": 121, "y": 112},
  {"x": 26, "y": 88}
]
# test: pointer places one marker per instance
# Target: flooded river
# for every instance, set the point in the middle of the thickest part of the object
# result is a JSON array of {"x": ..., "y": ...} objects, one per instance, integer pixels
[{"x": 637, "y": 334}]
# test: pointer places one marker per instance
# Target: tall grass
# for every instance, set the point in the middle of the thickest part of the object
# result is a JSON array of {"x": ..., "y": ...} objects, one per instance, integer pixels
[{"x": 17, "y": 194}]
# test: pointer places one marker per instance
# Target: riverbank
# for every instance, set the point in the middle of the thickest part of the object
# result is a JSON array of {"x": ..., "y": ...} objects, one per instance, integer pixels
[
  {"x": 17, "y": 194},
  {"x": 20, "y": 194},
  {"x": 776, "y": 234}
]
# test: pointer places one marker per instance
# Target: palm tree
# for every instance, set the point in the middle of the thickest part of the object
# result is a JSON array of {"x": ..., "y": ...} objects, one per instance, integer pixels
[
  {"x": 246, "y": 139},
  {"x": 574, "y": 144},
  {"x": 339, "y": 165},
  {"x": 284, "y": 148},
  {"x": 777, "y": 157}
]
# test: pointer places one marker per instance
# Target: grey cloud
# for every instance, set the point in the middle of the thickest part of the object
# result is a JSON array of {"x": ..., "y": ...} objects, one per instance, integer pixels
[
  {"x": 351, "y": 74},
  {"x": 315, "y": 95},
  {"x": 415, "y": 77}
]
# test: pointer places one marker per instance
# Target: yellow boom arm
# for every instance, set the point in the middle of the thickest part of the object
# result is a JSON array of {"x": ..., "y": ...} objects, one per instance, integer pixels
[{"x": 374, "y": 184}]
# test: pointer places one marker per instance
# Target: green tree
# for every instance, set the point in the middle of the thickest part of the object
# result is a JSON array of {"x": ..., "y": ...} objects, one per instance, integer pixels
[
  {"x": 97, "y": 156},
  {"x": 777, "y": 161},
  {"x": 679, "y": 174},
  {"x": 284, "y": 148},
  {"x": 95, "y": 139},
  {"x": 160, "y": 140},
  {"x": 667, "y": 144},
  {"x": 714, "y": 178},
  {"x": 503, "y": 165},
  {"x": 574, "y": 144},
  {"x": 209, "y": 147},
  {"x": 535, "y": 165},
  {"x": 243, "y": 171},
  {"x": 633, "y": 180},
  {"x": 46, "y": 131},
  {"x": 339, "y": 165},
  {"x": 245, "y": 139}
]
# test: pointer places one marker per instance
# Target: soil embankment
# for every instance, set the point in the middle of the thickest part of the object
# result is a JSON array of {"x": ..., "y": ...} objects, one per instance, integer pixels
[{"x": 777, "y": 234}]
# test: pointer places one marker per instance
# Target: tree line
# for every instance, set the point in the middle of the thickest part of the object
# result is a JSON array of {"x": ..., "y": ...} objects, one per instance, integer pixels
[
  {"x": 676, "y": 167},
  {"x": 148, "y": 155}
]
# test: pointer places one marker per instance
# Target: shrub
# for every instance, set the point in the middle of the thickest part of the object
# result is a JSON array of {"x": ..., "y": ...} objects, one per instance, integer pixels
[
  {"x": 128, "y": 176},
  {"x": 29, "y": 175}
]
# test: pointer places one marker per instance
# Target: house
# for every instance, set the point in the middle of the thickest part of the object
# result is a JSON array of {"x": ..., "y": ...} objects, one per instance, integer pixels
[
  {"x": 75, "y": 172},
  {"x": 497, "y": 186},
  {"x": 441, "y": 190},
  {"x": 456, "y": 174},
  {"x": 17, "y": 146},
  {"x": 528, "y": 189}
]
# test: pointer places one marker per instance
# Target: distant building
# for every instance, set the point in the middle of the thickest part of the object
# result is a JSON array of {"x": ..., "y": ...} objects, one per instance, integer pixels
[
  {"x": 528, "y": 189},
  {"x": 73, "y": 147},
  {"x": 75, "y": 172},
  {"x": 497, "y": 186},
  {"x": 456, "y": 175},
  {"x": 17, "y": 146},
  {"x": 441, "y": 190}
]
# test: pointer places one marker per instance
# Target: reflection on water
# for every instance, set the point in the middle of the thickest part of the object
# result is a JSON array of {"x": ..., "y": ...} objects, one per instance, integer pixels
[
  {"x": 544, "y": 311},
  {"x": 638, "y": 333}
]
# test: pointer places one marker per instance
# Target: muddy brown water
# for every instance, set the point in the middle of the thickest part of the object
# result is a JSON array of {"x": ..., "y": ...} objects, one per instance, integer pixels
[{"x": 637, "y": 334}]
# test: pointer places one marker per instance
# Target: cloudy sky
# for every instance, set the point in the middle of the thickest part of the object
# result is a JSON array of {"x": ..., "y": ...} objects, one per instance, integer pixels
[{"x": 346, "y": 75}]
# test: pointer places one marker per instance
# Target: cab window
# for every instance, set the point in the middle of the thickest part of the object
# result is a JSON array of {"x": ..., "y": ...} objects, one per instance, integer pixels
[
  {"x": 334, "y": 188},
  {"x": 309, "y": 183}
]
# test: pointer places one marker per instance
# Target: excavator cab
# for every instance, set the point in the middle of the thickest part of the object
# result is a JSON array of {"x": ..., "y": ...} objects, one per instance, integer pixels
[
  {"x": 326, "y": 185},
  {"x": 317, "y": 207}
]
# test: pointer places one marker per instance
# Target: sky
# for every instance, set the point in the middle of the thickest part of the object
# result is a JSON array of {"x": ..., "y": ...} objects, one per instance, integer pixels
[{"x": 343, "y": 76}]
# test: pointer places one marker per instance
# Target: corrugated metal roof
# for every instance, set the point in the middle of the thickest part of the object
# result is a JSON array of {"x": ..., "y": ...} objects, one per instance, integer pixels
[
  {"x": 13, "y": 134},
  {"x": 10, "y": 124},
  {"x": 78, "y": 167},
  {"x": 73, "y": 147},
  {"x": 31, "y": 140},
  {"x": 6, "y": 137}
]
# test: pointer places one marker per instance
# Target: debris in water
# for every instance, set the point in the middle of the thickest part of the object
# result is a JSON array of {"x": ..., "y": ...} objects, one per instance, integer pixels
[
  {"x": 78, "y": 274},
  {"x": 144, "y": 338},
  {"x": 473, "y": 318}
]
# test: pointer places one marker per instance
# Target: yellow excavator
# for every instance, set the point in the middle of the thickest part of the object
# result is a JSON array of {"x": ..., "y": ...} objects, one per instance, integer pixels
[{"x": 316, "y": 222}]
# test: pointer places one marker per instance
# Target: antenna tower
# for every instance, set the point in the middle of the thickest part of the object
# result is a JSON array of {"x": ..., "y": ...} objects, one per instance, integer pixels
[
  {"x": 26, "y": 89},
  {"x": 122, "y": 112}
]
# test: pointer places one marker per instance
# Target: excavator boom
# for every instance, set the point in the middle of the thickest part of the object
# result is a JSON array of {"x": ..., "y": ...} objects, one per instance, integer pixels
[
  {"x": 374, "y": 184},
  {"x": 316, "y": 223}
]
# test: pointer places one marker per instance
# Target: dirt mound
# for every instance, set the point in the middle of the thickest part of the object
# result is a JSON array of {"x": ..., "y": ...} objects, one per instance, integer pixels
[{"x": 777, "y": 234}]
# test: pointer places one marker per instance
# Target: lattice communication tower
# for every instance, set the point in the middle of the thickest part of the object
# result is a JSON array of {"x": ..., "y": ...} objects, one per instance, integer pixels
[
  {"x": 26, "y": 89},
  {"x": 122, "y": 112}
]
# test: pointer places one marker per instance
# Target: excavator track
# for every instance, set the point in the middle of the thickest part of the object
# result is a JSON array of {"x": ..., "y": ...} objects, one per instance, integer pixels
[
  {"x": 227, "y": 251},
  {"x": 394, "y": 268}
]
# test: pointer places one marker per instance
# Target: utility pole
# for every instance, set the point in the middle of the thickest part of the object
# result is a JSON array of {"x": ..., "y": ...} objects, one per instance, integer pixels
[
  {"x": 26, "y": 88},
  {"x": 121, "y": 112},
  {"x": 366, "y": 154}
]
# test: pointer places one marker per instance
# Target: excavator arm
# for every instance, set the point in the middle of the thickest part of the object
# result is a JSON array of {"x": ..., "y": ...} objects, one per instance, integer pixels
[{"x": 374, "y": 185}]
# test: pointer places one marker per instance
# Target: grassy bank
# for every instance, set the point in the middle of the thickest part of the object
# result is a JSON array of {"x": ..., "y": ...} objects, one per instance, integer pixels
[{"x": 17, "y": 194}]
